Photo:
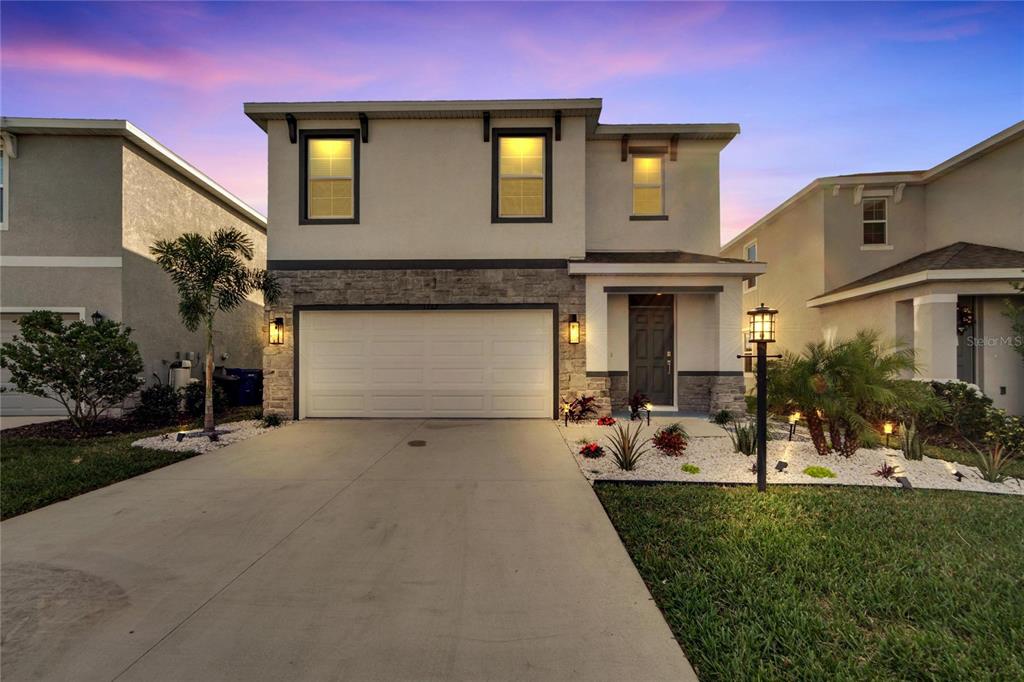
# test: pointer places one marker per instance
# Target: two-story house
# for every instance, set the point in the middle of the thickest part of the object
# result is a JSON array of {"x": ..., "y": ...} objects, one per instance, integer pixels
[
  {"x": 924, "y": 257},
  {"x": 488, "y": 258},
  {"x": 81, "y": 203}
]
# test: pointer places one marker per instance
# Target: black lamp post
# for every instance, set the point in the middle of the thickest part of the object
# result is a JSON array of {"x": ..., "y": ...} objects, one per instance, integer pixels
[{"x": 762, "y": 332}]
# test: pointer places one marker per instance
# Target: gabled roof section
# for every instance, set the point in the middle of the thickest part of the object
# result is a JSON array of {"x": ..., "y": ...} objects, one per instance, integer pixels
[
  {"x": 130, "y": 132},
  {"x": 959, "y": 261},
  {"x": 958, "y": 256},
  {"x": 889, "y": 178}
]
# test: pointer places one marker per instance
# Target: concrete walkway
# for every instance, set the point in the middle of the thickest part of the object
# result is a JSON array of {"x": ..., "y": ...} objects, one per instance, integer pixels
[{"x": 335, "y": 550}]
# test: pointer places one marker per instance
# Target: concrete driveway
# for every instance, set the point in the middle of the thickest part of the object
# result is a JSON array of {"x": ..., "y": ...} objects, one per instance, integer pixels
[{"x": 335, "y": 550}]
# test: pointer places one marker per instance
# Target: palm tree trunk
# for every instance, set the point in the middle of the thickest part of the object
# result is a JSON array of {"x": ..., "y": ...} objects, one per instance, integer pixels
[
  {"x": 208, "y": 424},
  {"x": 817, "y": 431}
]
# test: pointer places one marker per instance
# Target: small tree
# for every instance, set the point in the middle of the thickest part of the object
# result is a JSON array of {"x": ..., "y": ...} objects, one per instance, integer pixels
[
  {"x": 211, "y": 275},
  {"x": 87, "y": 368}
]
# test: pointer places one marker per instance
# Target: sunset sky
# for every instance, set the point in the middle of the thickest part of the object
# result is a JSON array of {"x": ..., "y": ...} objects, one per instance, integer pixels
[{"x": 818, "y": 89}]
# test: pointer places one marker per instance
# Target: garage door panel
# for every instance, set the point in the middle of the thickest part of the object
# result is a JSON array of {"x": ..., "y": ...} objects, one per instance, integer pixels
[{"x": 419, "y": 363}]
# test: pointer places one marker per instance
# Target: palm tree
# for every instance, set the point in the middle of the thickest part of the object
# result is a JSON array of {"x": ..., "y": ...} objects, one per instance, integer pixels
[{"x": 212, "y": 275}]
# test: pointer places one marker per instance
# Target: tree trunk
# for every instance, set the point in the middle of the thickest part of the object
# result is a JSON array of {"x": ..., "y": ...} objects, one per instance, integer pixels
[
  {"x": 817, "y": 431},
  {"x": 208, "y": 424},
  {"x": 835, "y": 435}
]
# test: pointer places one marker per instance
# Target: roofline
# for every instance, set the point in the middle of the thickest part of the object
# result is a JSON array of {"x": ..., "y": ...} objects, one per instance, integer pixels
[
  {"x": 132, "y": 133},
  {"x": 918, "y": 177},
  {"x": 261, "y": 112},
  {"x": 737, "y": 269},
  {"x": 691, "y": 131},
  {"x": 920, "y": 277}
]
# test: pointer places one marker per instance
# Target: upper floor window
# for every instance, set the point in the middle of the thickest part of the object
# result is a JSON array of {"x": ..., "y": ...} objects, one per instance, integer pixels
[
  {"x": 750, "y": 253},
  {"x": 874, "y": 221},
  {"x": 521, "y": 182},
  {"x": 648, "y": 186},
  {"x": 330, "y": 177}
]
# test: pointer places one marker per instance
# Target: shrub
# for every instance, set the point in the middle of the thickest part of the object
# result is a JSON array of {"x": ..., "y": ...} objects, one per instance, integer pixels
[
  {"x": 580, "y": 409},
  {"x": 911, "y": 442},
  {"x": 886, "y": 471},
  {"x": 670, "y": 440},
  {"x": 159, "y": 405},
  {"x": 744, "y": 437},
  {"x": 819, "y": 472},
  {"x": 591, "y": 450},
  {"x": 751, "y": 402},
  {"x": 994, "y": 461},
  {"x": 271, "y": 420},
  {"x": 722, "y": 417},
  {"x": 627, "y": 446},
  {"x": 637, "y": 402},
  {"x": 1007, "y": 430},
  {"x": 87, "y": 368},
  {"x": 690, "y": 468},
  {"x": 195, "y": 400}
]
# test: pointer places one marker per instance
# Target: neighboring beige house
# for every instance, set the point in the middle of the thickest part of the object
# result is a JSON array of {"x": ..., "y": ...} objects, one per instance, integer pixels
[
  {"x": 926, "y": 257},
  {"x": 436, "y": 257},
  {"x": 82, "y": 202}
]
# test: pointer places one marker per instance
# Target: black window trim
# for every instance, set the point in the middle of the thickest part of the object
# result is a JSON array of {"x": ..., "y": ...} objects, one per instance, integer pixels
[
  {"x": 317, "y": 133},
  {"x": 496, "y": 135}
]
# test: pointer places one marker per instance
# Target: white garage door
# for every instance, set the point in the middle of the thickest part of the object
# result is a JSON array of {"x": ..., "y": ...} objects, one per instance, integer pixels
[
  {"x": 13, "y": 404},
  {"x": 426, "y": 363}
]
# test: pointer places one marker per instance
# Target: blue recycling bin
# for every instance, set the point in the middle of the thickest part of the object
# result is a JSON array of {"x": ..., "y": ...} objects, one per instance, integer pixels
[{"x": 249, "y": 386}]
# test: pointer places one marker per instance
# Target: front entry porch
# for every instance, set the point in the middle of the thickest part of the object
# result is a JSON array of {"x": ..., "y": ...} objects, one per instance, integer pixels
[{"x": 673, "y": 337}]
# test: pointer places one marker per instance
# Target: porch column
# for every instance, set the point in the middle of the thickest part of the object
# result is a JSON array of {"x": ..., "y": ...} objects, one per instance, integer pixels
[
  {"x": 935, "y": 335},
  {"x": 596, "y": 332},
  {"x": 731, "y": 318}
]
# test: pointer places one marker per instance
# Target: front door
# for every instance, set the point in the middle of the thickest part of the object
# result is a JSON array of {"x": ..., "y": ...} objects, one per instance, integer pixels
[{"x": 650, "y": 347}]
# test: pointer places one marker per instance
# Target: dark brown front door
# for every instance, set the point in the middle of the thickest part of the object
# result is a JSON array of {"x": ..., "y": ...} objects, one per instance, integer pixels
[{"x": 650, "y": 347}]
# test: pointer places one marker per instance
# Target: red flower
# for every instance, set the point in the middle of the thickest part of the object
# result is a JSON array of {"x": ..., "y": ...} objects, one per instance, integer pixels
[
  {"x": 605, "y": 421},
  {"x": 592, "y": 450}
]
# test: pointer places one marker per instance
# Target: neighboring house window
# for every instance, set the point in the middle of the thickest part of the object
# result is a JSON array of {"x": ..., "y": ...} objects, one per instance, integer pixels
[
  {"x": 750, "y": 253},
  {"x": 648, "y": 186},
  {"x": 521, "y": 182},
  {"x": 874, "y": 221},
  {"x": 329, "y": 177}
]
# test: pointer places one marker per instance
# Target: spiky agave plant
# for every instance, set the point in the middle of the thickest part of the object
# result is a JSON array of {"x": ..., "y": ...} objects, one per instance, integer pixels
[
  {"x": 627, "y": 446},
  {"x": 994, "y": 461},
  {"x": 744, "y": 437},
  {"x": 911, "y": 442}
]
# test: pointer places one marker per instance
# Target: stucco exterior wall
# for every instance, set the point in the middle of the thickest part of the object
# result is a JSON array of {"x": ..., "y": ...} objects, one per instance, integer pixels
[
  {"x": 845, "y": 260},
  {"x": 64, "y": 197},
  {"x": 159, "y": 204},
  {"x": 980, "y": 202},
  {"x": 793, "y": 245},
  {"x": 1001, "y": 368},
  {"x": 425, "y": 193},
  {"x": 691, "y": 196}
]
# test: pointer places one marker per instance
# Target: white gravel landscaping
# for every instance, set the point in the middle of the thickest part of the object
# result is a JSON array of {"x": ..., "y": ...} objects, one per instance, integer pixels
[
  {"x": 233, "y": 433},
  {"x": 719, "y": 464}
]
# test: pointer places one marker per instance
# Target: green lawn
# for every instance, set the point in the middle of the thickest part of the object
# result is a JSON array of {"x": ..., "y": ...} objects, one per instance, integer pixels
[
  {"x": 37, "y": 471},
  {"x": 832, "y": 583}
]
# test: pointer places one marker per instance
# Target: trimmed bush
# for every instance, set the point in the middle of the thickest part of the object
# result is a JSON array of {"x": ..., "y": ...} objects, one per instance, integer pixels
[
  {"x": 159, "y": 405},
  {"x": 195, "y": 400}
]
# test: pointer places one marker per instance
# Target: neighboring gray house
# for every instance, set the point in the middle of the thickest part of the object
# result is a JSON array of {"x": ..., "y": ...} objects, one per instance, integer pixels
[
  {"x": 926, "y": 257},
  {"x": 82, "y": 202},
  {"x": 487, "y": 258}
]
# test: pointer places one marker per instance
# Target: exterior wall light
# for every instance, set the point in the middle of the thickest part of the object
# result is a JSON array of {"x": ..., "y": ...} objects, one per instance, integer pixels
[
  {"x": 96, "y": 317},
  {"x": 574, "y": 328},
  {"x": 277, "y": 331}
]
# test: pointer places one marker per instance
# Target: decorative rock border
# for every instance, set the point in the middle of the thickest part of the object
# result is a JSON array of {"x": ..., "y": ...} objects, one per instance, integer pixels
[{"x": 232, "y": 432}]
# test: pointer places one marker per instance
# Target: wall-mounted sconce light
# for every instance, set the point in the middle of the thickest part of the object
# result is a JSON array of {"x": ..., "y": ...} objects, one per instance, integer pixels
[
  {"x": 277, "y": 331},
  {"x": 574, "y": 328},
  {"x": 96, "y": 317}
]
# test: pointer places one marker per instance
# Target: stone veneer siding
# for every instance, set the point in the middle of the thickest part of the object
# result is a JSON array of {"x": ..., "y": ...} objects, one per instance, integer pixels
[{"x": 429, "y": 287}]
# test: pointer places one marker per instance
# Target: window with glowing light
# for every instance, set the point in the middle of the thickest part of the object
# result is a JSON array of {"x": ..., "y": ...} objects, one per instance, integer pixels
[
  {"x": 522, "y": 176},
  {"x": 330, "y": 177},
  {"x": 648, "y": 186}
]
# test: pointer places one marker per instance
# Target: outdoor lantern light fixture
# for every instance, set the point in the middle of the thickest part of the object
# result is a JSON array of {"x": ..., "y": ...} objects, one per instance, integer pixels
[
  {"x": 762, "y": 324},
  {"x": 277, "y": 331},
  {"x": 761, "y": 333},
  {"x": 887, "y": 430},
  {"x": 96, "y": 317},
  {"x": 574, "y": 328},
  {"x": 793, "y": 419}
]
